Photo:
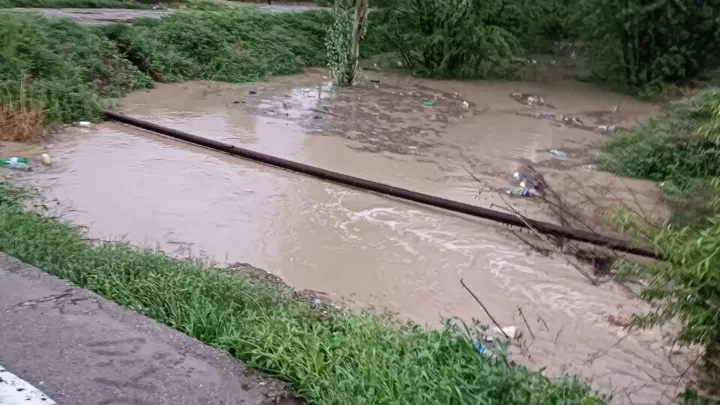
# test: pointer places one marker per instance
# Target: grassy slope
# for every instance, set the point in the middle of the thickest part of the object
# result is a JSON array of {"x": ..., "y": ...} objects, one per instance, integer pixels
[
  {"x": 75, "y": 4},
  {"x": 677, "y": 148},
  {"x": 340, "y": 358},
  {"x": 681, "y": 149},
  {"x": 70, "y": 71},
  {"x": 64, "y": 68}
]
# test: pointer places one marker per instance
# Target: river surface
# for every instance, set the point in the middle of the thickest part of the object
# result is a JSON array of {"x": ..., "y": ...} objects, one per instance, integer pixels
[{"x": 368, "y": 250}]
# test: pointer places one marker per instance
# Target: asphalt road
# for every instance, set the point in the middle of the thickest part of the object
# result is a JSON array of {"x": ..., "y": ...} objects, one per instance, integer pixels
[{"x": 65, "y": 345}]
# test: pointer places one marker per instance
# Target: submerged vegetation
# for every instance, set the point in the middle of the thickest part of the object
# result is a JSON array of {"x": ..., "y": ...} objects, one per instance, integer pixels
[{"x": 341, "y": 357}]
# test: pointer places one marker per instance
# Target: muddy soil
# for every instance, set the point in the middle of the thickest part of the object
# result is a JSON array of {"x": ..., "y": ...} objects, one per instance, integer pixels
[{"x": 458, "y": 140}]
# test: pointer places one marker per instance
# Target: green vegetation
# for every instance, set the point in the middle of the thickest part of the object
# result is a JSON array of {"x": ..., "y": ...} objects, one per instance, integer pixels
[
  {"x": 681, "y": 149},
  {"x": 70, "y": 71},
  {"x": 75, "y": 4},
  {"x": 61, "y": 67},
  {"x": 337, "y": 358},
  {"x": 453, "y": 38},
  {"x": 235, "y": 45},
  {"x": 677, "y": 145},
  {"x": 642, "y": 46}
]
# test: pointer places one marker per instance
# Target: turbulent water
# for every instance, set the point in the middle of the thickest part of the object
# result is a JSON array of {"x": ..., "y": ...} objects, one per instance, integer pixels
[{"x": 456, "y": 140}]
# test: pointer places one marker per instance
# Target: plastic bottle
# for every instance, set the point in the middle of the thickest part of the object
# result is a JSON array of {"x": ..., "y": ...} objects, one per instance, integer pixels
[
  {"x": 17, "y": 163},
  {"x": 558, "y": 153}
]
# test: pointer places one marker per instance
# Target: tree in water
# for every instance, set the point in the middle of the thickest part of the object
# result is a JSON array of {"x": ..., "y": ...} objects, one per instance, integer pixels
[{"x": 344, "y": 38}]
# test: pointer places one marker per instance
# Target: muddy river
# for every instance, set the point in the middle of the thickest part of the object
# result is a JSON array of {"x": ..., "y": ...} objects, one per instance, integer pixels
[{"x": 457, "y": 140}]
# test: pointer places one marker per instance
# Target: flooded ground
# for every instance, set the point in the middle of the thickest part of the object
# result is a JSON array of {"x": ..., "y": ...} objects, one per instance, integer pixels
[{"x": 457, "y": 140}]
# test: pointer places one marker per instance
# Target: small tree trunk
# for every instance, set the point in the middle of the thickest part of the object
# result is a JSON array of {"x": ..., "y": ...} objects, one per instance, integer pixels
[{"x": 358, "y": 33}]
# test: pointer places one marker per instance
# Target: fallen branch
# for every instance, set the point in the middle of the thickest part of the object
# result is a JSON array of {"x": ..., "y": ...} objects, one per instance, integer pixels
[
  {"x": 526, "y": 322},
  {"x": 484, "y": 309},
  {"x": 317, "y": 110},
  {"x": 545, "y": 239}
]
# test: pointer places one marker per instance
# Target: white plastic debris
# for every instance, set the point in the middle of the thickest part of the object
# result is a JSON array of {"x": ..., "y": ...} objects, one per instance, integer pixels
[
  {"x": 83, "y": 123},
  {"x": 513, "y": 332},
  {"x": 466, "y": 104},
  {"x": 45, "y": 159}
]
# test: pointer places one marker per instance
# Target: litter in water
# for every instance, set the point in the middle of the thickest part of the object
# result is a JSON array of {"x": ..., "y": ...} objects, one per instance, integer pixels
[
  {"x": 17, "y": 163},
  {"x": 558, "y": 153},
  {"x": 429, "y": 103},
  {"x": 45, "y": 159},
  {"x": 523, "y": 192}
]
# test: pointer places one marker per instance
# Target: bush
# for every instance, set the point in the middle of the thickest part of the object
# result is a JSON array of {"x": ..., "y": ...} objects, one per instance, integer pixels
[
  {"x": 642, "y": 45},
  {"x": 60, "y": 67},
  {"x": 454, "y": 38},
  {"x": 671, "y": 147}
]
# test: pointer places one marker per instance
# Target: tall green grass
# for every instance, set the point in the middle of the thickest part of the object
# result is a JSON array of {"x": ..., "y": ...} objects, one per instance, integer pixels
[
  {"x": 232, "y": 45},
  {"x": 680, "y": 148},
  {"x": 75, "y": 4},
  {"x": 335, "y": 359},
  {"x": 73, "y": 71},
  {"x": 66, "y": 68}
]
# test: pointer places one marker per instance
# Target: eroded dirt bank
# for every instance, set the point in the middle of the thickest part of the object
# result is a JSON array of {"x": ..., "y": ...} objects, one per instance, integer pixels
[{"x": 371, "y": 250}]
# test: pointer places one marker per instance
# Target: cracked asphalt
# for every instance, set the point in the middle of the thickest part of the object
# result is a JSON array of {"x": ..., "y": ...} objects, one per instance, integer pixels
[{"x": 79, "y": 348}]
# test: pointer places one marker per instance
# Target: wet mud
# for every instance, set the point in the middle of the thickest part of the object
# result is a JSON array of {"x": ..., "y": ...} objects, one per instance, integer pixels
[{"x": 457, "y": 140}]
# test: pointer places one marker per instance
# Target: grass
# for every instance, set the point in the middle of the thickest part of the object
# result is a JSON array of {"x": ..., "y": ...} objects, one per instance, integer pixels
[
  {"x": 73, "y": 71},
  {"x": 680, "y": 149},
  {"x": 75, "y": 4},
  {"x": 235, "y": 45},
  {"x": 65, "y": 68},
  {"x": 20, "y": 120},
  {"x": 339, "y": 358}
]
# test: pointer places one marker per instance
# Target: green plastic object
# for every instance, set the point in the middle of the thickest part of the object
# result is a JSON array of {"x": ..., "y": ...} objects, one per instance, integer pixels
[
  {"x": 429, "y": 103},
  {"x": 17, "y": 163}
]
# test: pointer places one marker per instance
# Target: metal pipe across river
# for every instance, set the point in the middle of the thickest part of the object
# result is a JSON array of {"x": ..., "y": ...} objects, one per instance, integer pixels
[{"x": 380, "y": 188}]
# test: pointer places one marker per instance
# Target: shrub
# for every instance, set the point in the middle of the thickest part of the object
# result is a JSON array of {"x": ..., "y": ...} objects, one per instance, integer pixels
[
  {"x": 642, "y": 45},
  {"x": 454, "y": 38}
]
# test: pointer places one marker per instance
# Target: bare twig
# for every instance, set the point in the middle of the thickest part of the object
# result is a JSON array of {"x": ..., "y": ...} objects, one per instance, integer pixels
[
  {"x": 544, "y": 323},
  {"x": 520, "y": 311},
  {"x": 317, "y": 110},
  {"x": 542, "y": 251},
  {"x": 545, "y": 238},
  {"x": 484, "y": 308},
  {"x": 598, "y": 354},
  {"x": 558, "y": 334}
]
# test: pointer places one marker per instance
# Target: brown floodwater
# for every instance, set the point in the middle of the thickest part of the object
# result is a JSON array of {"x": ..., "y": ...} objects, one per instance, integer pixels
[{"x": 370, "y": 250}]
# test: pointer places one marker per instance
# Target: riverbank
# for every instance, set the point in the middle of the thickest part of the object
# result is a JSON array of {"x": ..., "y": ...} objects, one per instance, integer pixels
[{"x": 328, "y": 358}]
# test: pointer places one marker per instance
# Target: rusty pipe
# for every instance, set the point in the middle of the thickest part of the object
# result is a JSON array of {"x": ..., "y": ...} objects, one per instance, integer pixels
[{"x": 380, "y": 188}]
